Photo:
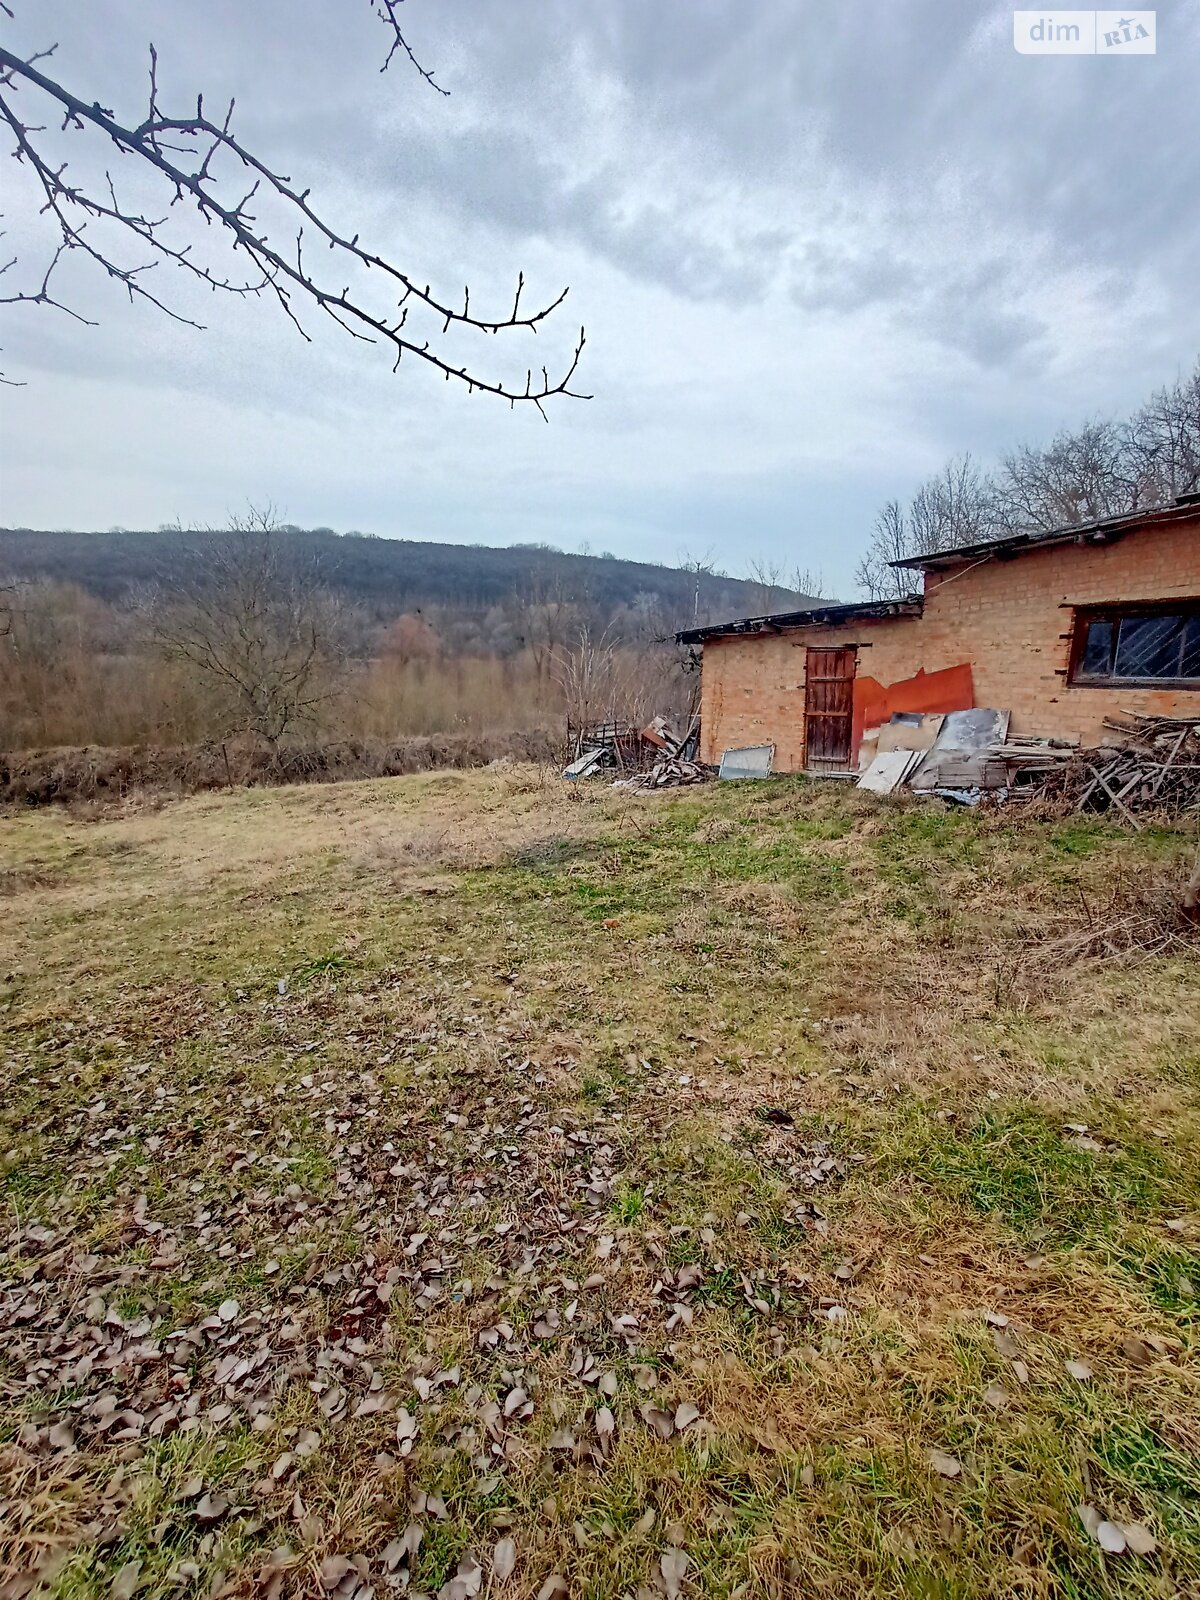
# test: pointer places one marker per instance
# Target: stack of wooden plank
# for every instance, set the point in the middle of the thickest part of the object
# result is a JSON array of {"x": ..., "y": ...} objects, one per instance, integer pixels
[{"x": 1156, "y": 769}]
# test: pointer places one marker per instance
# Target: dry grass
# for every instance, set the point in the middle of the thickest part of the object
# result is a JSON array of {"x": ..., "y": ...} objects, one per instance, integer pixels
[
  {"x": 752, "y": 1066},
  {"x": 103, "y": 775}
]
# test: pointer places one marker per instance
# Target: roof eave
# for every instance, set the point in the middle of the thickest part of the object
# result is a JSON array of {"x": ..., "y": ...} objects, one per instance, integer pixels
[
  {"x": 816, "y": 616},
  {"x": 1104, "y": 531}
]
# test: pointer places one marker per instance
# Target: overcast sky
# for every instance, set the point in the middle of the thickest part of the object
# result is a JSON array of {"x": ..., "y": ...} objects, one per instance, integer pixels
[{"x": 817, "y": 248}]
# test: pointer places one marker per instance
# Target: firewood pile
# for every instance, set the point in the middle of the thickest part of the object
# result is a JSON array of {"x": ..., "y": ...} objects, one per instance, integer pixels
[
  {"x": 1157, "y": 769},
  {"x": 669, "y": 773}
]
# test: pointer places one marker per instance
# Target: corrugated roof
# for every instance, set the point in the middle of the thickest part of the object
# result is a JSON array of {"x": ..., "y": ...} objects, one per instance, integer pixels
[
  {"x": 1184, "y": 508},
  {"x": 1104, "y": 531},
  {"x": 866, "y": 610}
]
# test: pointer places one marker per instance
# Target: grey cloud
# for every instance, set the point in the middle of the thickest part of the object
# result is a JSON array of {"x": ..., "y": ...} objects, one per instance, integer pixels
[{"x": 787, "y": 228}]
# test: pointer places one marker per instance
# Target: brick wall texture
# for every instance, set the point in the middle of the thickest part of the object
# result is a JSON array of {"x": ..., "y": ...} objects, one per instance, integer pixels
[{"x": 1011, "y": 619}]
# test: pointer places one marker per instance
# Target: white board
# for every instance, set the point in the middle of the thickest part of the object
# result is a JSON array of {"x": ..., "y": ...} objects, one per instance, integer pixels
[{"x": 888, "y": 771}]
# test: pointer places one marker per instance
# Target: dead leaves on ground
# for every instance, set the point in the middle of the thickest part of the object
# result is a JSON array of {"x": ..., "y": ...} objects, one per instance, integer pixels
[
  {"x": 256, "y": 1245},
  {"x": 1115, "y": 1538}
]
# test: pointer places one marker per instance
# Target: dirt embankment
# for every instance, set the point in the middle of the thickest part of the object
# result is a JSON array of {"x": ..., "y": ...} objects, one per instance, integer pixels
[{"x": 58, "y": 776}]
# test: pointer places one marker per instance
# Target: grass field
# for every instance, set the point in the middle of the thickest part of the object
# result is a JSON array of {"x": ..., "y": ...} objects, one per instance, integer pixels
[{"x": 467, "y": 1183}]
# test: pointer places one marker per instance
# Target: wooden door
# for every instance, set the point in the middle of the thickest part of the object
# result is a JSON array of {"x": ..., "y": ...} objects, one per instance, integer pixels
[{"x": 828, "y": 709}]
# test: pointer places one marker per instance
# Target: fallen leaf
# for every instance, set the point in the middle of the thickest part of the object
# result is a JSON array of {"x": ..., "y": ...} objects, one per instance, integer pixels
[
  {"x": 948, "y": 1466},
  {"x": 685, "y": 1415},
  {"x": 227, "y": 1310},
  {"x": 673, "y": 1564},
  {"x": 407, "y": 1429},
  {"x": 466, "y": 1582},
  {"x": 1025, "y": 1550},
  {"x": 211, "y": 1507},
  {"x": 126, "y": 1582},
  {"x": 1138, "y": 1351},
  {"x": 1108, "y": 1535},
  {"x": 1079, "y": 1370},
  {"x": 661, "y": 1421},
  {"x": 554, "y": 1588},
  {"x": 333, "y": 1570},
  {"x": 504, "y": 1560},
  {"x": 1139, "y": 1538}
]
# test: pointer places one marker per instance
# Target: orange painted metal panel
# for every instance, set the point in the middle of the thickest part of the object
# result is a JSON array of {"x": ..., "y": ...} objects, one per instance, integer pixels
[{"x": 952, "y": 689}]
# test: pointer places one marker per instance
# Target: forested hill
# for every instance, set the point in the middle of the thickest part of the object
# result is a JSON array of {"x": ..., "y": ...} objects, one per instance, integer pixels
[{"x": 385, "y": 577}]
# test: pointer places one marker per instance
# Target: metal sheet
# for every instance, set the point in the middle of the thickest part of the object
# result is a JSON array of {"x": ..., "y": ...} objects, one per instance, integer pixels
[
  {"x": 977, "y": 729},
  {"x": 958, "y": 757},
  {"x": 754, "y": 761},
  {"x": 888, "y": 771},
  {"x": 951, "y": 689},
  {"x": 583, "y": 766}
]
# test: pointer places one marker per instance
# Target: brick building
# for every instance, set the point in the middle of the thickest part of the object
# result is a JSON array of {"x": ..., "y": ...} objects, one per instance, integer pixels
[{"x": 1061, "y": 629}]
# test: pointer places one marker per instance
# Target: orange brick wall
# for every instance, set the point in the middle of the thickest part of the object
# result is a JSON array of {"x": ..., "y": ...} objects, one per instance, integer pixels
[{"x": 1011, "y": 619}]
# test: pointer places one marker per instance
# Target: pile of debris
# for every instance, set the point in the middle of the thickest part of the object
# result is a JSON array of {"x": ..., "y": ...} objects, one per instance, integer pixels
[
  {"x": 653, "y": 757},
  {"x": 670, "y": 772},
  {"x": 1157, "y": 768},
  {"x": 964, "y": 755}
]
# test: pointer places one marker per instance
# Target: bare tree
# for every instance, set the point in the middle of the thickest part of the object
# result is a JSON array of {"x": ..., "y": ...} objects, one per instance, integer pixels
[
  {"x": 954, "y": 508},
  {"x": 700, "y": 566},
  {"x": 1163, "y": 442},
  {"x": 606, "y": 679},
  {"x": 588, "y": 673},
  {"x": 1106, "y": 468},
  {"x": 1078, "y": 477},
  {"x": 807, "y": 582},
  {"x": 889, "y": 542},
  {"x": 200, "y": 163},
  {"x": 767, "y": 577},
  {"x": 545, "y": 617},
  {"x": 256, "y": 626}
]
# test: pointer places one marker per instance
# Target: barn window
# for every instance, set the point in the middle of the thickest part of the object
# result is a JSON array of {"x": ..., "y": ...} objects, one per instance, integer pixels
[{"x": 1138, "y": 644}]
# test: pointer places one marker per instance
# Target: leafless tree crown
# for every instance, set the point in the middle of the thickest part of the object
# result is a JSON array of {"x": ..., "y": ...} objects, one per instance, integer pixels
[
  {"x": 198, "y": 161},
  {"x": 254, "y": 624},
  {"x": 1103, "y": 469}
]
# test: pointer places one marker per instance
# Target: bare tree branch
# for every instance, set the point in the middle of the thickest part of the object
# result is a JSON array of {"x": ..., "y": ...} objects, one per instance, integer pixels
[
  {"x": 198, "y": 159},
  {"x": 386, "y": 10}
]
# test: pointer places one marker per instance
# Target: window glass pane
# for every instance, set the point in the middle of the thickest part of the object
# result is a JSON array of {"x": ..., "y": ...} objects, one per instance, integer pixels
[
  {"x": 1097, "y": 650},
  {"x": 1191, "y": 647},
  {"x": 1149, "y": 647}
]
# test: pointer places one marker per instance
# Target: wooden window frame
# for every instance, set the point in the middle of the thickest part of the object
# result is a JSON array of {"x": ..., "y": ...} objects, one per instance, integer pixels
[{"x": 1116, "y": 611}]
